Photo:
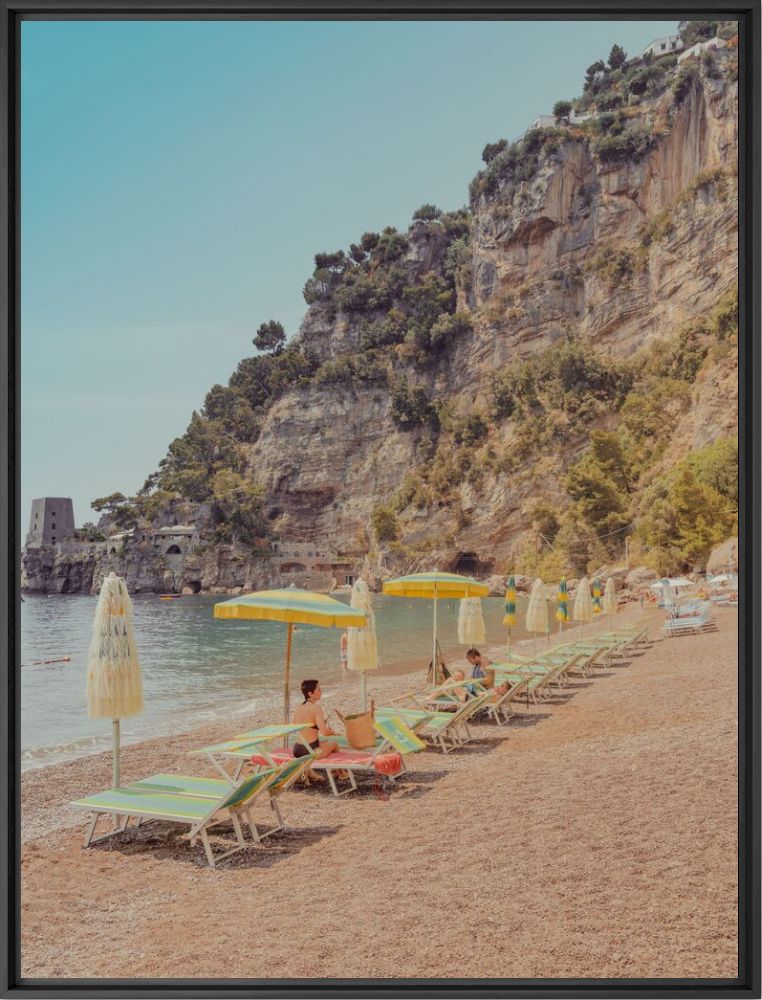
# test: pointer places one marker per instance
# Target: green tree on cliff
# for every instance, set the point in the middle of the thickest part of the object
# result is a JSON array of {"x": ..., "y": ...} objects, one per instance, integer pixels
[{"x": 270, "y": 337}]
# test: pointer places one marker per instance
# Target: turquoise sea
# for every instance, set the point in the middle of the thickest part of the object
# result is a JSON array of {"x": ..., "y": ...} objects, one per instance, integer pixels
[{"x": 196, "y": 667}]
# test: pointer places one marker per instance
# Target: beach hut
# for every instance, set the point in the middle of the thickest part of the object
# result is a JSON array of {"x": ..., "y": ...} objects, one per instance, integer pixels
[
  {"x": 471, "y": 630},
  {"x": 293, "y": 607},
  {"x": 362, "y": 643},
  {"x": 433, "y": 586},
  {"x": 114, "y": 681}
]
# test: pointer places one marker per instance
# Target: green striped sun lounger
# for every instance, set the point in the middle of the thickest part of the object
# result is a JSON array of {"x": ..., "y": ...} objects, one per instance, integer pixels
[
  {"x": 176, "y": 799},
  {"x": 282, "y": 778},
  {"x": 446, "y": 729}
]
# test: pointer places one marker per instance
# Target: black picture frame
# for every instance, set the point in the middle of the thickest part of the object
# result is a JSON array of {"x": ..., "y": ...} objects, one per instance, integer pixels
[{"x": 748, "y": 14}]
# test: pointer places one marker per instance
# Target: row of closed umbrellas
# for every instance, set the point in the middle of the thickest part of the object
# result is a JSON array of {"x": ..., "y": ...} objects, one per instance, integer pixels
[{"x": 114, "y": 686}]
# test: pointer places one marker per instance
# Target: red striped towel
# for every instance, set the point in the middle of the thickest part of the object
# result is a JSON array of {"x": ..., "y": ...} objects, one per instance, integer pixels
[{"x": 388, "y": 763}]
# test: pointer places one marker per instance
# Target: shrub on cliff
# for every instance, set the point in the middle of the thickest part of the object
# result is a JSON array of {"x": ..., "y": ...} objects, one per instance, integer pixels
[
  {"x": 411, "y": 405},
  {"x": 683, "y": 81},
  {"x": 383, "y": 521},
  {"x": 270, "y": 337},
  {"x": 426, "y": 213}
]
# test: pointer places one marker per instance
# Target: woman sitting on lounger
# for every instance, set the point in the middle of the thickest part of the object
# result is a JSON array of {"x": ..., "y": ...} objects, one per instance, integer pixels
[{"x": 311, "y": 714}]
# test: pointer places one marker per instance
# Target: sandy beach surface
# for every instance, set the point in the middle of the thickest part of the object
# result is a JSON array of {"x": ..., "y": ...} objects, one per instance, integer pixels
[{"x": 594, "y": 835}]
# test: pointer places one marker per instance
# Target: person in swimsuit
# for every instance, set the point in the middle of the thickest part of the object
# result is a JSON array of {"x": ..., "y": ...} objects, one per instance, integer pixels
[{"x": 311, "y": 714}]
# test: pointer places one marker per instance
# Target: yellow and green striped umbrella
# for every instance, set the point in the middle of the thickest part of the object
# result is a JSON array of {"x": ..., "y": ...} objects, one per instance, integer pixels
[
  {"x": 433, "y": 586},
  {"x": 562, "y": 599},
  {"x": 510, "y": 606},
  {"x": 597, "y": 596},
  {"x": 293, "y": 607}
]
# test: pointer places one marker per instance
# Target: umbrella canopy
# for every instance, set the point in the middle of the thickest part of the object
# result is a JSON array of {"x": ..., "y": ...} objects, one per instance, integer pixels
[
  {"x": 537, "y": 609},
  {"x": 597, "y": 596},
  {"x": 609, "y": 597},
  {"x": 292, "y": 606},
  {"x": 562, "y": 598},
  {"x": 583, "y": 604},
  {"x": 362, "y": 643},
  {"x": 433, "y": 586},
  {"x": 470, "y": 621},
  {"x": 114, "y": 681}
]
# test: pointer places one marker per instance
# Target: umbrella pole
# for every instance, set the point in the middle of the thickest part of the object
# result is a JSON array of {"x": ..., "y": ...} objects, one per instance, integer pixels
[
  {"x": 115, "y": 761},
  {"x": 364, "y": 690},
  {"x": 286, "y": 686},
  {"x": 434, "y": 649}
]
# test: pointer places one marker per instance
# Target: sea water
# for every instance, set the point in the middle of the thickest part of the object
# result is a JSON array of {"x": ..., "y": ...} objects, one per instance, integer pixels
[{"x": 196, "y": 667}]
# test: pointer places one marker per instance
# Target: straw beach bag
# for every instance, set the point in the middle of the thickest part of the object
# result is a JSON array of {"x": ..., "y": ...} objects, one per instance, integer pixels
[{"x": 359, "y": 730}]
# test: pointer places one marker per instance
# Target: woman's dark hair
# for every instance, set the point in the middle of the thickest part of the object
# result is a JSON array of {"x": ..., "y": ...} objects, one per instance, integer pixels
[
  {"x": 307, "y": 688},
  {"x": 473, "y": 651}
]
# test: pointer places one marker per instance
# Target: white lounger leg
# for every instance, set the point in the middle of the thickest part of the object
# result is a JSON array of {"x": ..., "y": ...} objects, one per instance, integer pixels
[{"x": 90, "y": 839}]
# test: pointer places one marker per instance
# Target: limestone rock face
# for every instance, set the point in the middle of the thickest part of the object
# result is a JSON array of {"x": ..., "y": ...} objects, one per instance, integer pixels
[{"x": 328, "y": 455}]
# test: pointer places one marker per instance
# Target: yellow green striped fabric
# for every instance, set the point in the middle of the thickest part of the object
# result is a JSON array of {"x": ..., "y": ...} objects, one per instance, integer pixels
[
  {"x": 435, "y": 585},
  {"x": 393, "y": 729},
  {"x": 292, "y": 605}
]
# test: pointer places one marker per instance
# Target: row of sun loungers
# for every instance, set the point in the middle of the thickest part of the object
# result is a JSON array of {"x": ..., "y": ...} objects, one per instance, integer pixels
[{"x": 435, "y": 718}]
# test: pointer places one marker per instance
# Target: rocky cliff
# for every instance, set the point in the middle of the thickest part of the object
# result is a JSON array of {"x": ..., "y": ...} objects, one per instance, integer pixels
[{"x": 391, "y": 436}]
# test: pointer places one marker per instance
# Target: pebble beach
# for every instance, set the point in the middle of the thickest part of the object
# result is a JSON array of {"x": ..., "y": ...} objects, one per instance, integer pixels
[{"x": 594, "y": 835}]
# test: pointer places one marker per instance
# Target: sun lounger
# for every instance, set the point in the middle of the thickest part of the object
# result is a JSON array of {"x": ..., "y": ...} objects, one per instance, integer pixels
[
  {"x": 394, "y": 736},
  {"x": 199, "y": 812},
  {"x": 447, "y": 729}
]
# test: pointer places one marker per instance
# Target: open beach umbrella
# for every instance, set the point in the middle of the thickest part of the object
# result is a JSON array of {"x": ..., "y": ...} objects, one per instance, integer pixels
[
  {"x": 562, "y": 598},
  {"x": 433, "y": 586},
  {"x": 114, "y": 682},
  {"x": 293, "y": 607},
  {"x": 509, "y": 618},
  {"x": 609, "y": 599},
  {"x": 597, "y": 596},
  {"x": 537, "y": 610},
  {"x": 583, "y": 604},
  {"x": 362, "y": 643},
  {"x": 470, "y": 622}
]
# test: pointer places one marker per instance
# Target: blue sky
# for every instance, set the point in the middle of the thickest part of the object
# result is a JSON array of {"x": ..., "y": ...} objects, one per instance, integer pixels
[{"x": 177, "y": 179}]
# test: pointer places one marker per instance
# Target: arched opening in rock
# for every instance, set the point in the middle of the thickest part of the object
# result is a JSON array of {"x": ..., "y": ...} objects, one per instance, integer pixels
[
  {"x": 293, "y": 567},
  {"x": 112, "y": 552},
  {"x": 174, "y": 550},
  {"x": 469, "y": 564},
  {"x": 195, "y": 586}
]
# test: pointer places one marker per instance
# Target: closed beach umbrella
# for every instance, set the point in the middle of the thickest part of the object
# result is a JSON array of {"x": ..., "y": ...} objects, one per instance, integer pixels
[
  {"x": 470, "y": 622},
  {"x": 433, "y": 586},
  {"x": 114, "y": 682},
  {"x": 562, "y": 599},
  {"x": 509, "y": 618},
  {"x": 362, "y": 643},
  {"x": 537, "y": 609},
  {"x": 583, "y": 604},
  {"x": 597, "y": 596},
  {"x": 609, "y": 599},
  {"x": 293, "y": 607}
]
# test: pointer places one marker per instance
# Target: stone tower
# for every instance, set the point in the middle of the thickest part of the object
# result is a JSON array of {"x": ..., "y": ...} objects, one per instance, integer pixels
[{"x": 51, "y": 521}]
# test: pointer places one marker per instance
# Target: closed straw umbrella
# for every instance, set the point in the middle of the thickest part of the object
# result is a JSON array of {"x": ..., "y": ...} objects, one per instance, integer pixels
[
  {"x": 562, "y": 611},
  {"x": 435, "y": 585},
  {"x": 583, "y": 604},
  {"x": 291, "y": 606},
  {"x": 114, "y": 681},
  {"x": 362, "y": 643},
  {"x": 471, "y": 630},
  {"x": 537, "y": 611},
  {"x": 510, "y": 607},
  {"x": 609, "y": 599}
]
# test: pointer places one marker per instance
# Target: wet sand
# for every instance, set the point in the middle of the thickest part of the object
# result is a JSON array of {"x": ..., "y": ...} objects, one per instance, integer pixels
[{"x": 593, "y": 836}]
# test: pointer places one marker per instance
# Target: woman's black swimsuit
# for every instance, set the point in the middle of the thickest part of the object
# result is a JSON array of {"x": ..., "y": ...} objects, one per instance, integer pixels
[{"x": 300, "y": 750}]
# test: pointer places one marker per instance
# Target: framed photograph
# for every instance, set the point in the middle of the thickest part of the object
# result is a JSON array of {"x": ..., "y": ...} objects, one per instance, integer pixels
[{"x": 381, "y": 499}]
